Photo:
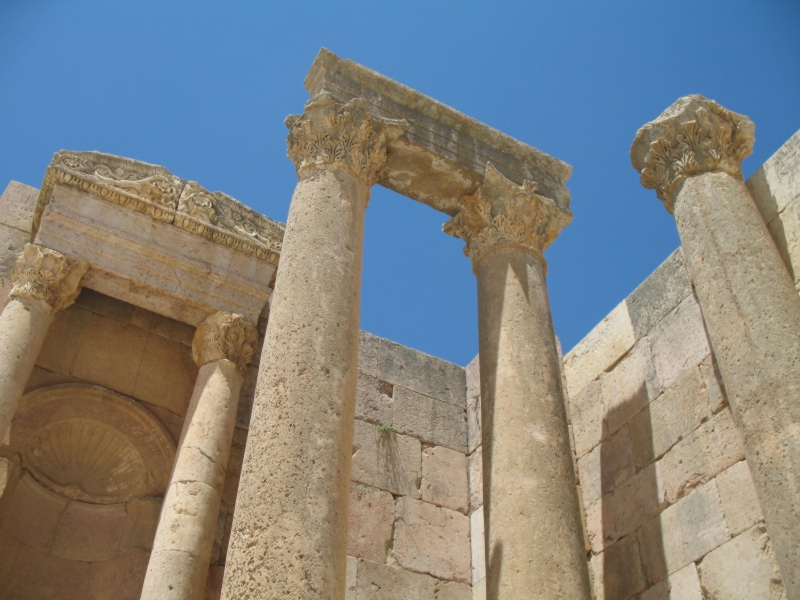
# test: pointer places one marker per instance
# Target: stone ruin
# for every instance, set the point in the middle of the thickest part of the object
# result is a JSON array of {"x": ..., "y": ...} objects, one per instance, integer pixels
[{"x": 174, "y": 430}]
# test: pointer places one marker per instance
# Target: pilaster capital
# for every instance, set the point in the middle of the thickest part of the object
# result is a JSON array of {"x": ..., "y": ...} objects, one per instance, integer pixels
[
  {"x": 47, "y": 275},
  {"x": 695, "y": 135},
  {"x": 330, "y": 133},
  {"x": 503, "y": 213},
  {"x": 226, "y": 336}
]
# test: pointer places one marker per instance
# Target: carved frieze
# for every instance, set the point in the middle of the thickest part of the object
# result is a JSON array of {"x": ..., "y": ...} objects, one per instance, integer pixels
[
  {"x": 503, "y": 213},
  {"x": 226, "y": 336},
  {"x": 695, "y": 135},
  {"x": 47, "y": 275},
  {"x": 331, "y": 133}
]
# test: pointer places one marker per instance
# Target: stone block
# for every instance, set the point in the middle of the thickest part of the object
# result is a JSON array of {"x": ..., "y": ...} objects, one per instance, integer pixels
[
  {"x": 477, "y": 545},
  {"x": 717, "y": 397},
  {"x": 472, "y": 372},
  {"x": 105, "y": 305},
  {"x": 681, "y": 585},
  {"x": 617, "y": 572},
  {"x": 388, "y": 582},
  {"x": 110, "y": 355},
  {"x": 351, "y": 579},
  {"x": 679, "y": 342},
  {"x": 140, "y": 526},
  {"x": 43, "y": 378},
  {"x": 89, "y": 532},
  {"x": 374, "y": 402},
  {"x": 422, "y": 373},
  {"x": 629, "y": 386},
  {"x": 166, "y": 376},
  {"x": 64, "y": 339},
  {"x": 369, "y": 530},
  {"x": 33, "y": 513},
  {"x": 587, "y": 414},
  {"x": 214, "y": 582},
  {"x": 659, "y": 294},
  {"x": 474, "y": 423},
  {"x": 430, "y": 420},
  {"x": 368, "y": 349},
  {"x": 785, "y": 231},
  {"x": 172, "y": 423},
  {"x": 451, "y": 590},
  {"x": 742, "y": 569},
  {"x": 605, "y": 467},
  {"x": 479, "y": 590},
  {"x": 106, "y": 579},
  {"x": 17, "y": 205},
  {"x": 444, "y": 478},
  {"x": 603, "y": 346},
  {"x": 433, "y": 540},
  {"x": 39, "y": 575},
  {"x": 683, "y": 533},
  {"x": 9, "y": 549},
  {"x": 386, "y": 460},
  {"x": 698, "y": 458},
  {"x": 12, "y": 241},
  {"x": 475, "y": 465},
  {"x": 739, "y": 500},
  {"x": 777, "y": 182},
  {"x": 669, "y": 418}
]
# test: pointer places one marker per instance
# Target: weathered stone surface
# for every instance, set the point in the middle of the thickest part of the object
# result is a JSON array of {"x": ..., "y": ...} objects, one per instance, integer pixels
[
  {"x": 368, "y": 350},
  {"x": 386, "y": 460},
  {"x": 475, "y": 465},
  {"x": 433, "y": 540},
  {"x": 89, "y": 532},
  {"x": 12, "y": 241},
  {"x": 432, "y": 421},
  {"x": 65, "y": 580},
  {"x": 669, "y": 418},
  {"x": 683, "y": 533},
  {"x": 472, "y": 372},
  {"x": 785, "y": 230},
  {"x": 738, "y": 495},
  {"x": 474, "y": 423},
  {"x": 477, "y": 546},
  {"x": 112, "y": 308},
  {"x": 166, "y": 375},
  {"x": 369, "y": 529},
  {"x": 351, "y": 581},
  {"x": 617, "y": 573},
  {"x": 602, "y": 347},
  {"x": 742, "y": 569},
  {"x": 33, "y": 514},
  {"x": 681, "y": 585},
  {"x": 659, "y": 294},
  {"x": 679, "y": 342},
  {"x": 605, "y": 467},
  {"x": 18, "y": 202},
  {"x": 715, "y": 389},
  {"x": 373, "y": 400},
  {"x": 384, "y": 582},
  {"x": 479, "y": 590},
  {"x": 451, "y": 590},
  {"x": 776, "y": 183},
  {"x": 444, "y": 478},
  {"x": 629, "y": 386},
  {"x": 140, "y": 526},
  {"x": 587, "y": 413}
]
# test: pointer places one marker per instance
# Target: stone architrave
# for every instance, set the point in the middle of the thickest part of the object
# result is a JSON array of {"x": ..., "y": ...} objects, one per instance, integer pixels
[
  {"x": 44, "y": 281},
  {"x": 222, "y": 347},
  {"x": 289, "y": 536},
  {"x": 534, "y": 540},
  {"x": 691, "y": 155}
]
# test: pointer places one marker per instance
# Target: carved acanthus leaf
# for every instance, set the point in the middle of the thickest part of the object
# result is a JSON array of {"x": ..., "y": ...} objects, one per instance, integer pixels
[
  {"x": 503, "y": 213},
  {"x": 693, "y": 136},
  {"x": 47, "y": 275},
  {"x": 331, "y": 133},
  {"x": 224, "y": 336}
]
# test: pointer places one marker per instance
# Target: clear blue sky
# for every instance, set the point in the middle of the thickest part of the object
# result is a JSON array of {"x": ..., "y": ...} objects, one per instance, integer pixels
[{"x": 203, "y": 88}]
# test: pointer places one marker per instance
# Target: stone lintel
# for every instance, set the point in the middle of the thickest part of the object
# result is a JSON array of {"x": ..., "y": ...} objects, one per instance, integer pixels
[{"x": 443, "y": 154}]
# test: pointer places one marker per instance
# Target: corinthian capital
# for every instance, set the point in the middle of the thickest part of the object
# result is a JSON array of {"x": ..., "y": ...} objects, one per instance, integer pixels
[
  {"x": 695, "y": 135},
  {"x": 503, "y": 213},
  {"x": 47, "y": 275},
  {"x": 226, "y": 336},
  {"x": 329, "y": 133}
]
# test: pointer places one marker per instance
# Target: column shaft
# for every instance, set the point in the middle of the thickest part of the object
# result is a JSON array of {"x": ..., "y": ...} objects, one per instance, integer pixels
[
  {"x": 534, "y": 536},
  {"x": 752, "y": 313}
]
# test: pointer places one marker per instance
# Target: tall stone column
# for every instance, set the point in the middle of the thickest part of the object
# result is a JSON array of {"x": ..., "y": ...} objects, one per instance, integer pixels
[
  {"x": 44, "y": 281},
  {"x": 534, "y": 537},
  {"x": 289, "y": 534},
  {"x": 691, "y": 155},
  {"x": 223, "y": 345}
]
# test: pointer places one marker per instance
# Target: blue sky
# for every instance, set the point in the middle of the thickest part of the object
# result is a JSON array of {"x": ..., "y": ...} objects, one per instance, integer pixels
[{"x": 202, "y": 88}]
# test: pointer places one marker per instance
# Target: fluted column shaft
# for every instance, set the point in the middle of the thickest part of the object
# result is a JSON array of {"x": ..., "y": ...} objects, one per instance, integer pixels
[
  {"x": 289, "y": 536},
  {"x": 223, "y": 345},
  {"x": 691, "y": 155},
  {"x": 534, "y": 537},
  {"x": 44, "y": 281}
]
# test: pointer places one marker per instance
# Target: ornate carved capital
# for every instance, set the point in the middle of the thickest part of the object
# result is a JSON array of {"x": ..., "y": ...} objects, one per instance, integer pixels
[
  {"x": 47, "y": 275},
  {"x": 695, "y": 135},
  {"x": 224, "y": 335},
  {"x": 329, "y": 133},
  {"x": 503, "y": 213}
]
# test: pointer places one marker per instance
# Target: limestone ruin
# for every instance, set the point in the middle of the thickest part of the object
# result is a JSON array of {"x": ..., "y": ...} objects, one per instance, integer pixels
[{"x": 174, "y": 430}]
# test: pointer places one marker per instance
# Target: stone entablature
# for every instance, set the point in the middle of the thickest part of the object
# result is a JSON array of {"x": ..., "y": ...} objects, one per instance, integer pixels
[{"x": 152, "y": 190}]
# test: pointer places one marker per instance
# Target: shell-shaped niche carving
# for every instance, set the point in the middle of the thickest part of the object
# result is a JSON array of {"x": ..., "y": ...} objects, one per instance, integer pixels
[{"x": 88, "y": 443}]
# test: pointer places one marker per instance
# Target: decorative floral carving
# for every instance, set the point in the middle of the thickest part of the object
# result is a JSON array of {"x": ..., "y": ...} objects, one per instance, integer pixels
[
  {"x": 223, "y": 219},
  {"x": 503, "y": 213},
  {"x": 47, "y": 275},
  {"x": 331, "y": 133},
  {"x": 224, "y": 336},
  {"x": 695, "y": 135}
]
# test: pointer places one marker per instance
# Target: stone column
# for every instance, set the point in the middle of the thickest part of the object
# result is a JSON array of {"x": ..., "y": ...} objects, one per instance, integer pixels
[
  {"x": 223, "y": 345},
  {"x": 691, "y": 155},
  {"x": 44, "y": 281},
  {"x": 534, "y": 536},
  {"x": 289, "y": 534}
]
